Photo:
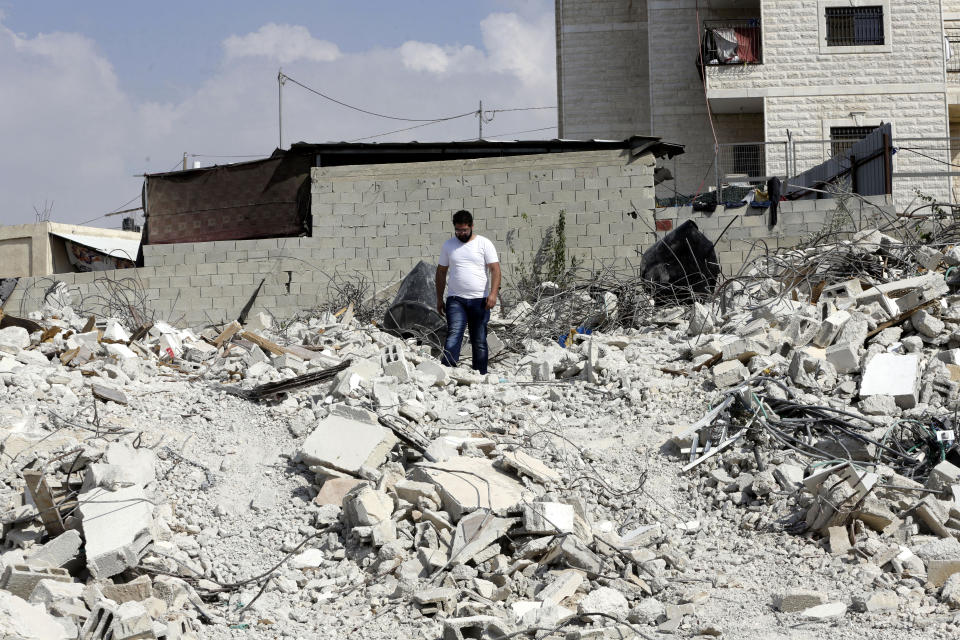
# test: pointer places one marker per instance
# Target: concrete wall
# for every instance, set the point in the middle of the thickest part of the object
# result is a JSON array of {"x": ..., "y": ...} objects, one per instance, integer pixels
[
  {"x": 201, "y": 283},
  {"x": 29, "y": 250},
  {"x": 603, "y": 83}
]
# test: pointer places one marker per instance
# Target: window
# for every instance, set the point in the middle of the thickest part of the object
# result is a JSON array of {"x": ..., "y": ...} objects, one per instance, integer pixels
[
  {"x": 854, "y": 26},
  {"x": 842, "y": 138}
]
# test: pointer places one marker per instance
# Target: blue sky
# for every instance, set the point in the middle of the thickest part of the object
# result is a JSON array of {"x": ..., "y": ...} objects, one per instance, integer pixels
[{"x": 109, "y": 89}]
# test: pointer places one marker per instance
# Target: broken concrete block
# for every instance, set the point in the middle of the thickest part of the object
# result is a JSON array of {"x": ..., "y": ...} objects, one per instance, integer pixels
[
  {"x": 475, "y": 627},
  {"x": 435, "y": 369},
  {"x": 564, "y": 585},
  {"x": 942, "y": 476},
  {"x": 846, "y": 289},
  {"x": 394, "y": 362},
  {"x": 542, "y": 518},
  {"x": 942, "y": 558},
  {"x": 825, "y": 611},
  {"x": 927, "y": 324},
  {"x": 839, "y": 541},
  {"x": 413, "y": 492},
  {"x": 830, "y": 328},
  {"x": 385, "y": 395},
  {"x": 880, "y": 405},
  {"x": 949, "y": 356},
  {"x": 47, "y": 591},
  {"x": 58, "y": 552},
  {"x": 844, "y": 357},
  {"x": 120, "y": 352},
  {"x": 927, "y": 288},
  {"x": 527, "y": 465},
  {"x": 20, "y": 620},
  {"x": 354, "y": 413},
  {"x": 466, "y": 484},
  {"x": 364, "y": 506},
  {"x": 13, "y": 339},
  {"x": 128, "y": 621},
  {"x": 729, "y": 373},
  {"x": 138, "y": 589},
  {"x": 934, "y": 514},
  {"x": 541, "y": 370},
  {"x": 701, "y": 320},
  {"x": 334, "y": 489},
  {"x": 892, "y": 375},
  {"x": 879, "y": 601},
  {"x": 346, "y": 445},
  {"x": 950, "y": 593},
  {"x": 260, "y": 321},
  {"x": 495, "y": 345},
  {"x": 574, "y": 553},
  {"x": 743, "y": 349},
  {"x": 928, "y": 257},
  {"x": 798, "y": 600},
  {"x": 604, "y": 600},
  {"x": 21, "y": 579},
  {"x": 117, "y": 529}
]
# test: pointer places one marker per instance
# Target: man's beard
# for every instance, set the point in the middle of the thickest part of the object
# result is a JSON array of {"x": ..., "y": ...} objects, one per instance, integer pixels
[{"x": 464, "y": 239}]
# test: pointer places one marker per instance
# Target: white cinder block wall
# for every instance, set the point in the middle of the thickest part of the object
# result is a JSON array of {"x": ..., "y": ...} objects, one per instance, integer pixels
[{"x": 802, "y": 86}]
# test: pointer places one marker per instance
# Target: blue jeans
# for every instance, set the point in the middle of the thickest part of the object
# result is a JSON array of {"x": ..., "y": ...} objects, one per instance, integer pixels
[{"x": 466, "y": 313}]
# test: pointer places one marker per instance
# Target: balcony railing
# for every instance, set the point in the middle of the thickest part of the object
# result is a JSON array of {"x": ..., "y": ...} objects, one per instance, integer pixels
[
  {"x": 732, "y": 42},
  {"x": 952, "y": 55}
]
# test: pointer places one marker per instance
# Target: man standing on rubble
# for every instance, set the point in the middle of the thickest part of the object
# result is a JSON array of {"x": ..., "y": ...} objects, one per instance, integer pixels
[{"x": 467, "y": 257}]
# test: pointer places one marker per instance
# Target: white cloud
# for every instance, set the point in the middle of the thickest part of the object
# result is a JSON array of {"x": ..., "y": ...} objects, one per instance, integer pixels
[
  {"x": 284, "y": 43},
  {"x": 73, "y": 135},
  {"x": 521, "y": 47},
  {"x": 427, "y": 56}
]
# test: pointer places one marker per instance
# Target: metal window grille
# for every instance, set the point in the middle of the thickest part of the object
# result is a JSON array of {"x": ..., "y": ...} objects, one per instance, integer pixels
[
  {"x": 854, "y": 26},
  {"x": 842, "y": 138},
  {"x": 953, "y": 50},
  {"x": 749, "y": 159},
  {"x": 732, "y": 42}
]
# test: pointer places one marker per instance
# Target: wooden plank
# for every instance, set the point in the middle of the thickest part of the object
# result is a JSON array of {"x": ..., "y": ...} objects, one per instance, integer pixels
[
  {"x": 901, "y": 318},
  {"x": 347, "y": 315},
  {"x": 89, "y": 326},
  {"x": 230, "y": 331},
  {"x": 42, "y": 497},
  {"x": 263, "y": 343},
  {"x": 227, "y": 334}
]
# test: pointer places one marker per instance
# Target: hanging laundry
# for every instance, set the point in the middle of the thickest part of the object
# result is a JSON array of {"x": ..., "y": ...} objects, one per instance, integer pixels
[
  {"x": 726, "y": 45},
  {"x": 774, "y": 188},
  {"x": 748, "y": 43}
]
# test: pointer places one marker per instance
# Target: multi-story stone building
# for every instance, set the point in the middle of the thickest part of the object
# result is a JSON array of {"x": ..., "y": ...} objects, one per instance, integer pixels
[{"x": 781, "y": 85}]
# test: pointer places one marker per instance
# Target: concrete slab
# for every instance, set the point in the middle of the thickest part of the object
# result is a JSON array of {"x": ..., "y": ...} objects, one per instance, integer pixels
[
  {"x": 346, "y": 445},
  {"x": 892, "y": 375},
  {"x": 117, "y": 529},
  {"x": 466, "y": 484}
]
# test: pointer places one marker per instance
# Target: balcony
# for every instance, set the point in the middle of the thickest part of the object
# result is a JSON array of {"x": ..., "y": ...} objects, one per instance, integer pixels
[{"x": 732, "y": 62}]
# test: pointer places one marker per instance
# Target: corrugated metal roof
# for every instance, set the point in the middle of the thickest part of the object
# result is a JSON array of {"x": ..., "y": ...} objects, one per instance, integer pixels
[
  {"x": 373, "y": 152},
  {"x": 114, "y": 247}
]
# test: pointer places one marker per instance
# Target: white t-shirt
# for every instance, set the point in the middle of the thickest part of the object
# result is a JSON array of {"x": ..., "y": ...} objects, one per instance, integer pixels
[{"x": 468, "y": 262}]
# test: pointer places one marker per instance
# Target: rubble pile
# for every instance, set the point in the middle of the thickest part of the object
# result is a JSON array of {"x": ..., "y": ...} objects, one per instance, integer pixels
[
  {"x": 768, "y": 467},
  {"x": 837, "y": 414}
]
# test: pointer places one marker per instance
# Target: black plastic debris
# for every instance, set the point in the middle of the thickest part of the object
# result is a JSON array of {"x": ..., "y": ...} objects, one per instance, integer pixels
[
  {"x": 413, "y": 313},
  {"x": 682, "y": 265}
]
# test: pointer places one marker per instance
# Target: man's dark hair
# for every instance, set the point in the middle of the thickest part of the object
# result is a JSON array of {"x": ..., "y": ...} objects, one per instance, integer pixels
[{"x": 463, "y": 217}]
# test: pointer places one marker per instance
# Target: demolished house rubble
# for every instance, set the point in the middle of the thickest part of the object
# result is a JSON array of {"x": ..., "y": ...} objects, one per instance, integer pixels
[{"x": 781, "y": 454}]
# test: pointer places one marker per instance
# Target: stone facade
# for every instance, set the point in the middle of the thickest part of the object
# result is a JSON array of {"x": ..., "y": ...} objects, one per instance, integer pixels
[{"x": 802, "y": 85}]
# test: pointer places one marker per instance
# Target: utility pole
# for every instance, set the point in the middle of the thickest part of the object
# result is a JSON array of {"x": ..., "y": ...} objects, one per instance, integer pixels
[
  {"x": 280, "y": 80},
  {"x": 480, "y": 119},
  {"x": 184, "y": 160}
]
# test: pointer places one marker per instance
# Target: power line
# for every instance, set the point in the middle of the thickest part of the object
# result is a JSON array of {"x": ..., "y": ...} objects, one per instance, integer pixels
[
  {"x": 510, "y": 133},
  {"x": 372, "y": 113},
  {"x": 380, "y": 135},
  {"x": 519, "y": 109}
]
